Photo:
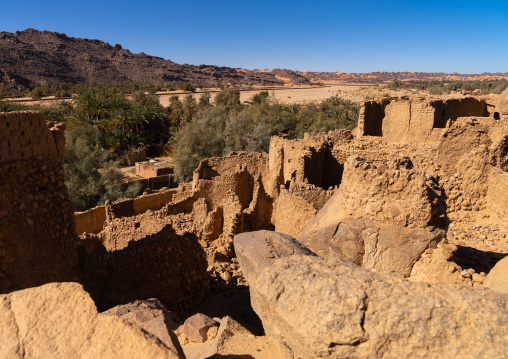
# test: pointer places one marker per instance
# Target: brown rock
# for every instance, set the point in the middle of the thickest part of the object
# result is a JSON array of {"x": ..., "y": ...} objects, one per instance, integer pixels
[
  {"x": 316, "y": 308},
  {"x": 151, "y": 316},
  {"x": 497, "y": 279},
  {"x": 197, "y": 326},
  {"x": 60, "y": 320},
  {"x": 369, "y": 244},
  {"x": 260, "y": 248}
]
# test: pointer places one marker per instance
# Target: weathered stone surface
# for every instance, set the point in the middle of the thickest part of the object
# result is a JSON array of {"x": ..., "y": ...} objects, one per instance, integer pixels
[
  {"x": 60, "y": 320},
  {"x": 497, "y": 279},
  {"x": 233, "y": 340},
  {"x": 334, "y": 309},
  {"x": 378, "y": 219},
  {"x": 151, "y": 316},
  {"x": 228, "y": 328},
  {"x": 259, "y": 249},
  {"x": 196, "y": 327}
]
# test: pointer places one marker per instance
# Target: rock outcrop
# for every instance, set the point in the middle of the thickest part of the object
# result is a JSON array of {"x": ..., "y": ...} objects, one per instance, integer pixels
[
  {"x": 317, "y": 308},
  {"x": 196, "y": 328},
  {"x": 151, "y": 316},
  {"x": 384, "y": 216},
  {"x": 60, "y": 320},
  {"x": 497, "y": 279},
  {"x": 50, "y": 57}
]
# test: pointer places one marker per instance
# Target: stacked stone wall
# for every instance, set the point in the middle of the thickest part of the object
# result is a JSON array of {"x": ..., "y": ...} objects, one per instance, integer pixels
[
  {"x": 163, "y": 265},
  {"x": 37, "y": 234},
  {"x": 93, "y": 220}
]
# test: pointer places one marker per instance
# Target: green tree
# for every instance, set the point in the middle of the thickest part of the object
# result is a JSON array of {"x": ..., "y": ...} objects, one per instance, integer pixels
[
  {"x": 259, "y": 98},
  {"x": 189, "y": 107},
  {"x": 229, "y": 99},
  {"x": 202, "y": 138},
  {"x": 90, "y": 178},
  {"x": 204, "y": 100}
]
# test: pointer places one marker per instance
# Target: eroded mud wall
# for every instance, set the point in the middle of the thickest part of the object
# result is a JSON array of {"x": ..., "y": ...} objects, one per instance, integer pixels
[{"x": 37, "y": 234}]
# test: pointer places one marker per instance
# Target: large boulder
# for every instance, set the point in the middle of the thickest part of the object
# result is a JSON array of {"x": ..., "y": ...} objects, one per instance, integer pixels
[
  {"x": 384, "y": 217},
  {"x": 260, "y": 248},
  {"x": 60, "y": 320},
  {"x": 318, "y": 308},
  {"x": 497, "y": 279},
  {"x": 151, "y": 316}
]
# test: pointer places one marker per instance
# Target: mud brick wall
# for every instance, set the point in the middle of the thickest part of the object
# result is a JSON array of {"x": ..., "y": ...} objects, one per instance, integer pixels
[
  {"x": 164, "y": 265},
  {"x": 93, "y": 220},
  {"x": 419, "y": 121},
  {"x": 37, "y": 234}
]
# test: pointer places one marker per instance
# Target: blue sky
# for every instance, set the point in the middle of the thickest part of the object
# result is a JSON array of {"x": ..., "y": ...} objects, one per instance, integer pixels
[{"x": 354, "y": 36}]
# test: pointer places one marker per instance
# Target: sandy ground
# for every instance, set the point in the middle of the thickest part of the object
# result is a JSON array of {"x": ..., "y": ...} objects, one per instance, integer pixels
[
  {"x": 287, "y": 95},
  {"x": 301, "y": 95}
]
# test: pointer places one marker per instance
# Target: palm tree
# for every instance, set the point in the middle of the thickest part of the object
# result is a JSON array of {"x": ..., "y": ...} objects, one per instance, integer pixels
[
  {"x": 189, "y": 106},
  {"x": 258, "y": 99},
  {"x": 204, "y": 100}
]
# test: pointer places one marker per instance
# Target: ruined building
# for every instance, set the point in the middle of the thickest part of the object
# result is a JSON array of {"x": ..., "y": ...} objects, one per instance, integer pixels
[
  {"x": 400, "y": 191},
  {"x": 392, "y": 196}
]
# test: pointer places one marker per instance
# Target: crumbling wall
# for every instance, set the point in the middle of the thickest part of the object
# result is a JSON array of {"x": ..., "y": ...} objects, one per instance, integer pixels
[
  {"x": 37, "y": 233},
  {"x": 464, "y": 160},
  {"x": 209, "y": 168},
  {"x": 415, "y": 120},
  {"x": 295, "y": 207},
  {"x": 391, "y": 192},
  {"x": 163, "y": 265},
  {"x": 497, "y": 195},
  {"x": 93, "y": 220},
  {"x": 503, "y": 105},
  {"x": 310, "y": 160},
  {"x": 370, "y": 121},
  {"x": 450, "y": 110}
]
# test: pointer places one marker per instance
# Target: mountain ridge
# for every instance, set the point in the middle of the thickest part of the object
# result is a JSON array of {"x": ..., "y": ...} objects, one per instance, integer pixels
[{"x": 33, "y": 56}]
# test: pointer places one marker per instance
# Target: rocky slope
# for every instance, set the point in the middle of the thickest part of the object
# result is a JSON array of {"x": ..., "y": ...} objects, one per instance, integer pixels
[{"x": 50, "y": 57}]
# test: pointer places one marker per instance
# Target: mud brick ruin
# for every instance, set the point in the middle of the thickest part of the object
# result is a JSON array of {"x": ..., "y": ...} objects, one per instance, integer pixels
[
  {"x": 38, "y": 241},
  {"x": 37, "y": 235},
  {"x": 390, "y": 196}
]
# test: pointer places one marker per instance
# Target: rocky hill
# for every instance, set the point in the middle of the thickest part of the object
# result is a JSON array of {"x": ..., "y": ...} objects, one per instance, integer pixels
[{"x": 50, "y": 57}]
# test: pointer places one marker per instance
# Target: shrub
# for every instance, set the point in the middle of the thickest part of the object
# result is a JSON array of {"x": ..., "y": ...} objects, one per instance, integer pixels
[
  {"x": 229, "y": 99},
  {"x": 90, "y": 178},
  {"x": 199, "y": 139}
]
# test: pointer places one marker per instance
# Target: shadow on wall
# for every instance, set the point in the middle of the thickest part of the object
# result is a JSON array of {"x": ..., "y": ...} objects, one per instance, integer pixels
[
  {"x": 450, "y": 110},
  {"x": 164, "y": 265},
  {"x": 374, "y": 115}
]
